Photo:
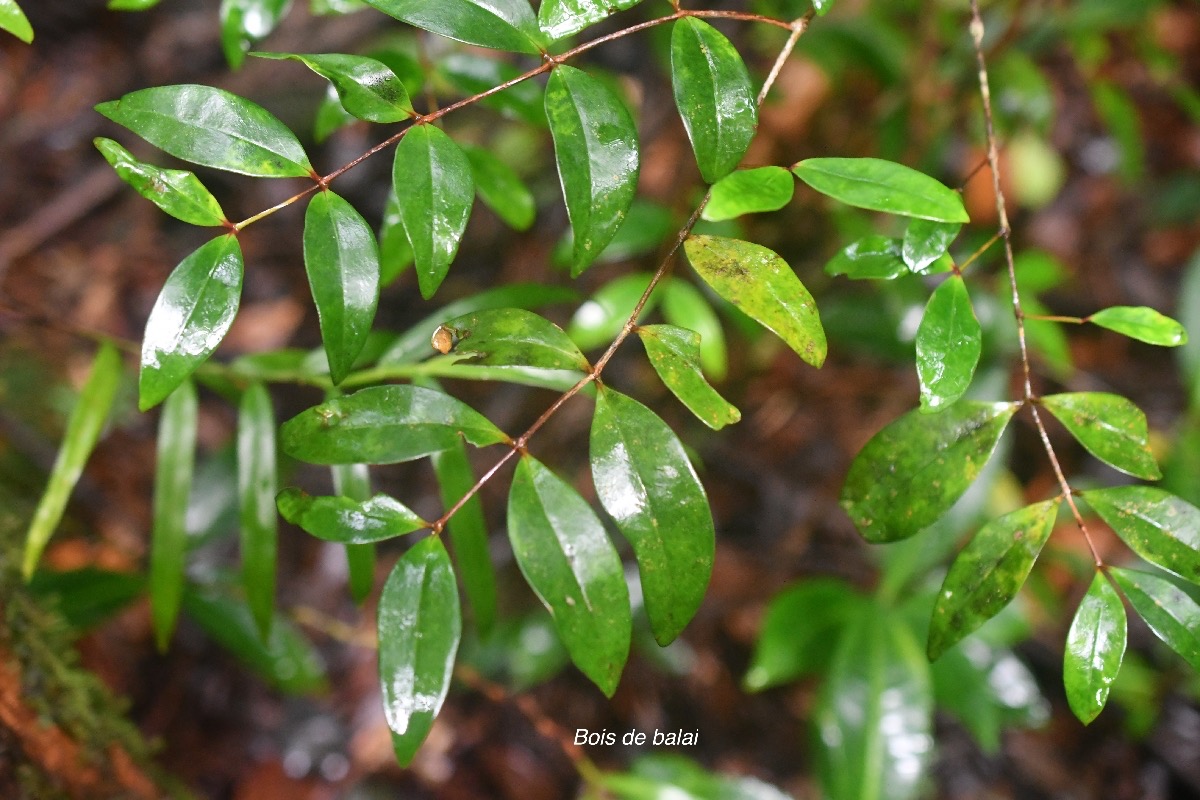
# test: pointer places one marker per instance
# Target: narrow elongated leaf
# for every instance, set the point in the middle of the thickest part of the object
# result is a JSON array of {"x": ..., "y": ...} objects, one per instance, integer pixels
[
  {"x": 501, "y": 189},
  {"x": 353, "y": 482},
  {"x": 686, "y": 306},
  {"x": 346, "y": 520},
  {"x": 510, "y": 337},
  {"x": 988, "y": 573},
  {"x": 949, "y": 341},
  {"x": 83, "y": 431},
  {"x": 596, "y": 146},
  {"x": 646, "y": 482},
  {"x": 434, "y": 192},
  {"x": 1169, "y": 611},
  {"x": 342, "y": 261},
  {"x": 761, "y": 284},
  {"x": 749, "y": 191},
  {"x": 1110, "y": 427},
  {"x": 925, "y": 242},
  {"x": 713, "y": 95},
  {"x": 420, "y": 625},
  {"x": 13, "y": 20},
  {"x": 571, "y": 565},
  {"x": 914, "y": 469},
  {"x": 871, "y": 257},
  {"x": 1141, "y": 323},
  {"x": 211, "y": 127},
  {"x": 1157, "y": 525},
  {"x": 1095, "y": 648},
  {"x": 172, "y": 485},
  {"x": 367, "y": 88},
  {"x": 256, "y": 501},
  {"x": 244, "y": 22},
  {"x": 131, "y": 5},
  {"x": 675, "y": 355},
  {"x": 882, "y": 186},
  {"x": 498, "y": 24},
  {"x": 559, "y": 19},
  {"x": 177, "y": 192},
  {"x": 384, "y": 425},
  {"x": 469, "y": 533}
]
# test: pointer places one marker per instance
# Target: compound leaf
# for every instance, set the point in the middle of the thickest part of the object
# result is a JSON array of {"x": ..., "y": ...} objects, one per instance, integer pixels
[
  {"x": 561, "y": 18},
  {"x": 1157, "y": 525},
  {"x": 882, "y": 186},
  {"x": 367, "y": 88},
  {"x": 347, "y": 520},
  {"x": 13, "y": 20},
  {"x": 1110, "y": 427},
  {"x": 1141, "y": 323},
  {"x": 871, "y": 257},
  {"x": 172, "y": 486},
  {"x": 498, "y": 24},
  {"x": 949, "y": 341},
  {"x": 510, "y": 337},
  {"x": 256, "y": 502},
  {"x": 1168, "y": 610},
  {"x": 926, "y": 241},
  {"x": 675, "y": 355},
  {"x": 177, "y": 192},
  {"x": 1094, "y": 650},
  {"x": 749, "y": 191}
]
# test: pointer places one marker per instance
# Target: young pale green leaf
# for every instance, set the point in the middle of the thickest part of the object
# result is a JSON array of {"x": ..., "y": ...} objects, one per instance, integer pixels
[
  {"x": 1141, "y": 323},
  {"x": 761, "y": 284},
  {"x": 510, "y": 337},
  {"x": 949, "y": 341},
  {"x": 353, "y": 482},
  {"x": 675, "y": 355},
  {"x": 686, "y": 306},
  {"x": 988, "y": 573},
  {"x": 1157, "y": 525},
  {"x": 571, "y": 565},
  {"x": 172, "y": 486},
  {"x": 601, "y": 318},
  {"x": 211, "y": 127},
  {"x": 434, "y": 192},
  {"x": 501, "y": 189},
  {"x": 244, "y": 22},
  {"x": 749, "y": 191},
  {"x": 914, "y": 469},
  {"x": 1094, "y": 650},
  {"x": 469, "y": 533},
  {"x": 1168, "y": 610},
  {"x": 349, "y": 521},
  {"x": 926, "y": 241},
  {"x": 644, "y": 480},
  {"x": 596, "y": 146},
  {"x": 1110, "y": 427},
  {"x": 384, "y": 425},
  {"x": 559, "y": 19},
  {"x": 871, "y": 257},
  {"x": 342, "y": 261},
  {"x": 367, "y": 88},
  {"x": 420, "y": 625},
  {"x": 713, "y": 95},
  {"x": 13, "y": 20},
  {"x": 83, "y": 431},
  {"x": 177, "y": 192},
  {"x": 882, "y": 186},
  {"x": 130, "y": 5},
  {"x": 498, "y": 24},
  {"x": 256, "y": 502},
  {"x": 193, "y": 313}
]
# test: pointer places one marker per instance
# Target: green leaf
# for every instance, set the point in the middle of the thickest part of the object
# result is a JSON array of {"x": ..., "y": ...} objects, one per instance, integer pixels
[
  {"x": 501, "y": 189},
  {"x": 87, "y": 596},
  {"x": 472, "y": 75},
  {"x": 434, "y": 192},
  {"x": 713, "y": 95},
  {"x": 598, "y": 321},
  {"x": 914, "y": 469},
  {"x": 469, "y": 533},
  {"x": 871, "y": 257},
  {"x": 749, "y": 191},
  {"x": 1046, "y": 339},
  {"x": 342, "y": 261},
  {"x": 686, "y": 306},
  {"x": 353, "y": 481},
  {"x": 177, "y": 192},
  {"x": 644, "y": 480},
  {"x": 172, "y": 485},
  {"x": 926, "y": 241},
  {"x": 256, "y": 501},
  {"x": 330, "y": 116},
  {"x": 1110, "y": 427},
  {"x": 674, "y": 777},
  {"x": 675, "y": 355},
  {"x": 211, "y": 127},
  {"x": 346, "y": 520},
  {"x": 949, "y": 341},
  {"x": 130, "y": 5},
  {"x": 384, "y": 425},
  {"x": 1157, "y": 525},
  {"x": 571, "y": 565},
  {"x": 1141, "y": 323},
  {"x": 559, "y": 19},
  {"x": 190, "y": 318},
  {"x": 596, "y": 146},
  {"x": 367, "y": 88},
  {"x": 1168, "y": 610},
  {"x": 83, "y": 431},
  {"x": 988, "y": 573},
  {"x": 646, "y": 226},
  {"x": 498, "y": 24},
  {"x": 1094, "y": 650},
  {"x": 882, "y": 186},
  {"x": 244, "y": 22},
  {"x": 13, "y": 20},
  {"x": 510, "y": 337},
  {"x": 761, "y": 284},
  {"x": 822, "y": 6}
]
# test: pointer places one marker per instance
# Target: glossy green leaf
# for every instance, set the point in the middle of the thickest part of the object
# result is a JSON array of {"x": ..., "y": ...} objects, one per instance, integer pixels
[
  {"x": 523, "y": 100},
  {"x": 926, "y": 241},
  {"x": 342, "y": 261},
  {"x": 353, "y": 481},
  {"x": 675, "y": 355},
  {"x": 130, "y": 5},
  {"x": 1095, "y": 648},
  {"x": 330, "y": 116},
  {"x": 510, "y": 337},
  {"x": 244, "y": 22},
  {"x": 172, "y": 485},
  {"x": 211, "y": 127},
  {"x": 498, "y": 24},
  {"x": 713, "y": 95},
  {"x": 1157, "y": 525},
  {"x": 882, "y": 186},
  {"x": 559, "y": 19},
  {"x": 761, "y": 284},
  {"x": 664, "y": 776},
  {"x": 914, "y": 469},
  {"x": 13, "y": 20},
  {"x": 749, "y": 191},
  {"x": 988, "y": 573},
  {"x": 949, "y": 341},
  {"x": 257, "y": 484},
  {"x": 1110, "y": 427},
  {"x": 395, "y": 252},
  {"x": 434, "y": 192},
  {"x": 598, "y": 321},
  {"x": 871, "y": 257},
  {"x": 686, "y": 306},
  {"x": 1141, "y": 323},
  {"x": 367, "y": 88},
  {"x": 83, "y": 431},
  {"x": 596, "y": 146},
  {"x": 384, "y": 425},
  {"x": 647, "y": 484},
  {"x": 177, "y": 192},
  {"x": 1168, "y": 610},
  {"x": 646, "y": 227},
  {"x": 342, "y": 519},
  {"x": 568, "y": 561},
  {"x": 469, "y": 534},
  {"x": 501, "y": 189},
  {"x": 193, "y": 313}
]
